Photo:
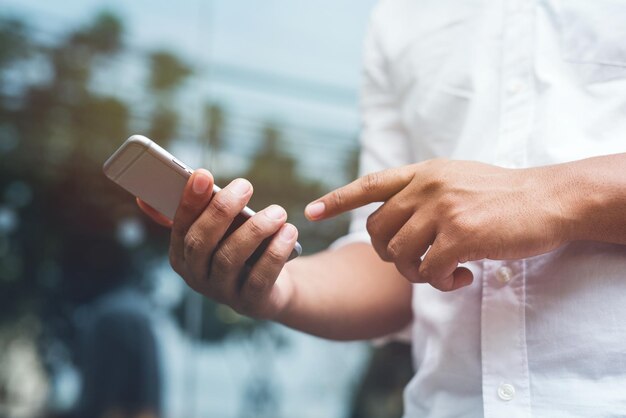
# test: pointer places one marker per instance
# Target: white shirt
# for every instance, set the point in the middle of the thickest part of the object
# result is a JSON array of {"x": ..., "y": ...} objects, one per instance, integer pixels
[{"x": 516, "y": 83}]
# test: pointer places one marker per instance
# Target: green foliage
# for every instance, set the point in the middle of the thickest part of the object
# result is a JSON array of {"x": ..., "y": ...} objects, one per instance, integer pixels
[
  {"x": 167, "y": 74},
  {"x": 62, "y": 242},
  {"x": 213, "y": 131},
  {"x": 14, "y": 42},
  {"x": 164, "y": 124},
  {"x": 167, "y": 71},
  {"x": 103, "y": 35}
]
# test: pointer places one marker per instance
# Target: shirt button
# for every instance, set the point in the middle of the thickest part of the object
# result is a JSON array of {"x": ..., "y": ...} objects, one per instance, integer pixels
[
  {"x": 504, "y": 274},
  {"x": 515, "y": 86},
  {"x": 506, "y": 392}
]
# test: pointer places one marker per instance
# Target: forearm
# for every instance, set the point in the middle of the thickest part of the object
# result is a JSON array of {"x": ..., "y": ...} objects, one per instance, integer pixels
[
  {"x": 347, "y": 294},
  {"x": 594, "y": 198}
]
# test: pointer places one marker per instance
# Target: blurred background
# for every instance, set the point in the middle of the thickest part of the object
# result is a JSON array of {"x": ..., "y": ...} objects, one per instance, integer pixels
[{"x": 93, "y": 322}]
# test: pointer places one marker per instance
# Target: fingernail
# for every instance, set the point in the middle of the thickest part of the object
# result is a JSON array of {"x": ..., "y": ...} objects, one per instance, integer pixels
[
  {"x": 315, "y": 210},
  {"x": 275, "y": 212},
  {"x": 288, "y": 232},
  {"x": 200, "y": 183},
  {"x": 240, "y": 187}
]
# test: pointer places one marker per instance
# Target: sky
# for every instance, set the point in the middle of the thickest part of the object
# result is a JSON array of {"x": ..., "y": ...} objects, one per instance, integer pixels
[{"x": 318, "y": 40}]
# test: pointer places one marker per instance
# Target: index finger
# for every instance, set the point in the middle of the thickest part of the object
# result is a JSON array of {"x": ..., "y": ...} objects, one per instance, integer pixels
[{"x": 374, "y": 187}]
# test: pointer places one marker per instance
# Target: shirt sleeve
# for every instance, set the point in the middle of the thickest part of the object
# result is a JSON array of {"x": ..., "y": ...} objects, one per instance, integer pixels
[{"x": 384, "y": 141}]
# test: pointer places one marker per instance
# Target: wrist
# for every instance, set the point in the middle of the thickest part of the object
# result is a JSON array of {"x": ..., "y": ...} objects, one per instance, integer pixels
[
  {"x": 574, "y": 195},
  {"x": 554, "y": 199},
  {"x": 290, "y": 287}
]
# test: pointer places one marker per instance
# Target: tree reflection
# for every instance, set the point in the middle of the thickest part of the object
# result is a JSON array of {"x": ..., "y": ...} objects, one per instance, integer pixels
[{"x": 69, "y": 238}]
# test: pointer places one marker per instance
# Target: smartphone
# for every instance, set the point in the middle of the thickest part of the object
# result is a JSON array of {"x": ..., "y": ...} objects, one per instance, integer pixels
[{"x": 158, "y": 178}]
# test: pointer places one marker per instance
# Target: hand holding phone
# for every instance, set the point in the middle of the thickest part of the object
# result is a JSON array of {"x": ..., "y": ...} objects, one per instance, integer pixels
[
  {"x": 219, "y": 247},
  {"x": 158, "y": 178}
]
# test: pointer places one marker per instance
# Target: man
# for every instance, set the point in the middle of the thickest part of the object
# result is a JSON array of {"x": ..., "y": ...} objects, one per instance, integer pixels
[{"x": 532, "y": 322}]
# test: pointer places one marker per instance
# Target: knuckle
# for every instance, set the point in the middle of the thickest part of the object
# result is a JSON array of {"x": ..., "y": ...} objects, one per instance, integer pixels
[
  {"x": 221, "y": 207},
  {"x": 393, "y": 249},
  {"x": 460, "y": 224},
  {"x": 274, "y": 255},
  {"x": 337, "y": 198},
  {"x": 403, "y": 205},
  {"x": 466, "y": 230},
  {"x": 256, "y": 284},
  {"x": 256, "y": 228},
  {"x": 371, "y": 182},
  {"x": 425, "y": 273},
  {"x": 192, "y": 244},
  {"x": 446, "y": 240},
  {"x": 448, "y": 203},
  {"x": 434, "y": 185},
  {"x": 372, "y": 225},
  {"x": 223, "y": 259}
]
